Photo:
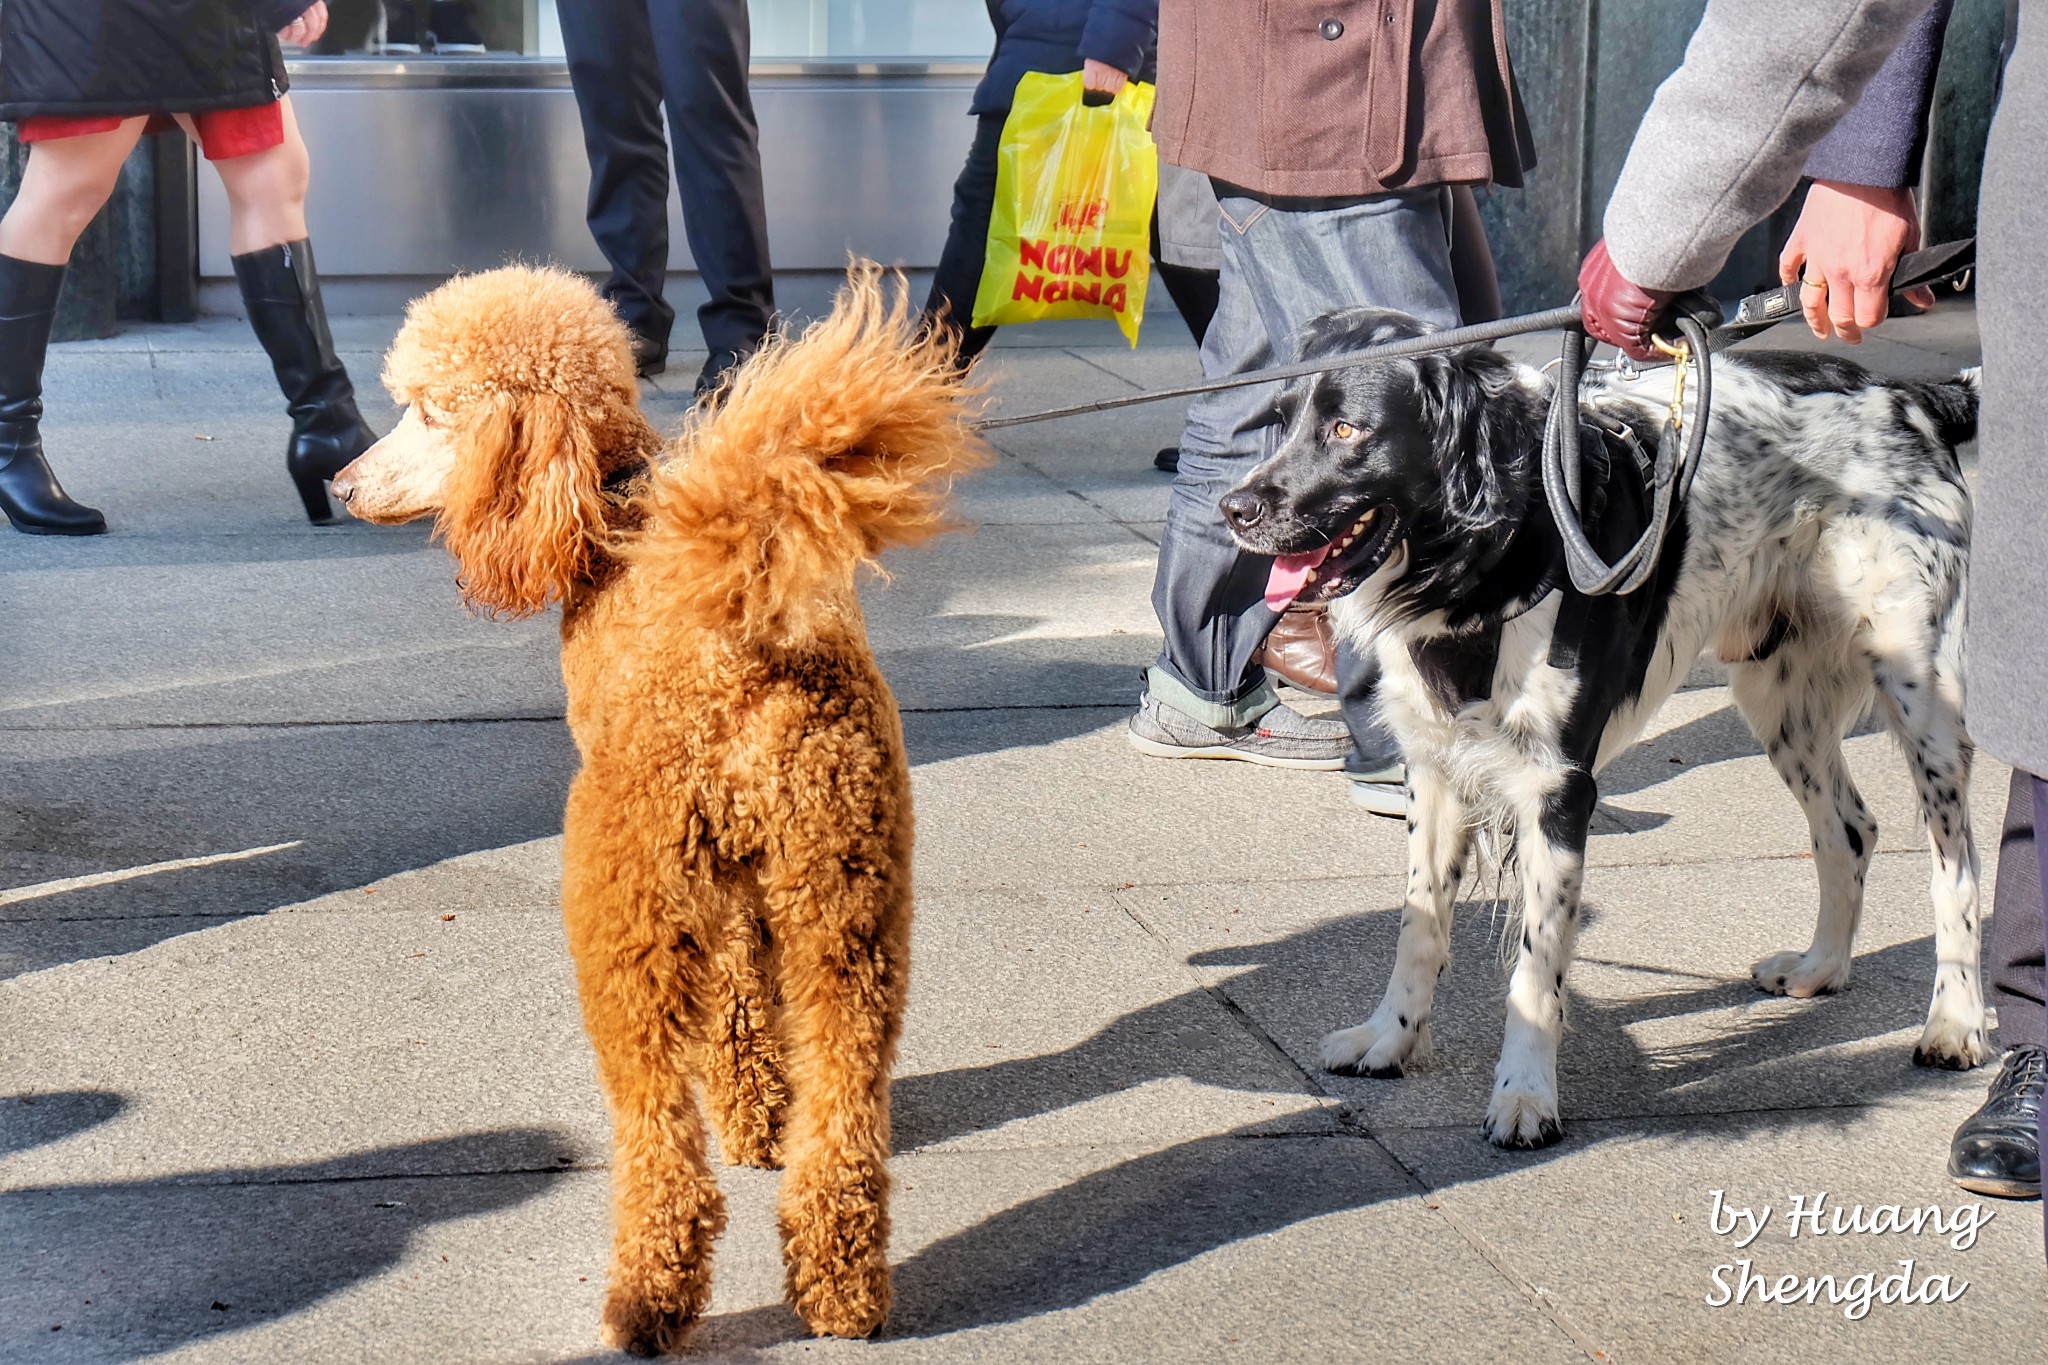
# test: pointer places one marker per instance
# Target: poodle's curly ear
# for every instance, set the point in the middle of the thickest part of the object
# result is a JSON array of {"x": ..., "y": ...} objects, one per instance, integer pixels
[{"x": 524, "y": 504}]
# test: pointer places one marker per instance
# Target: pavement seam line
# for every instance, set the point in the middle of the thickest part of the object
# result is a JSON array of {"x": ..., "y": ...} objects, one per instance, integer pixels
[
  {"x": 1092, "y": 363},
  {"x": 175, "y": 1182},
  {"x": 142, "y": 726},
  {"x": 1128, "y": 527},
  {"x": 1230, "y": 1007},
  {"x": 1687, "y": 863},
  {"x": 1091, "y": 504},
  {"x": 1540, "y": 1299},
  {"x": 1544, "y": 1301}
]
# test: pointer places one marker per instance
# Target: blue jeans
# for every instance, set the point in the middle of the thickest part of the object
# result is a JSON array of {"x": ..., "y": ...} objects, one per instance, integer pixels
[{"x": 1284, "y": 263}]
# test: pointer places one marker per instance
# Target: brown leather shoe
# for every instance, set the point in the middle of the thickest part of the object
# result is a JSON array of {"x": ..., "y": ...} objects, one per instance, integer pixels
[{"x": 1301, "y": 650}]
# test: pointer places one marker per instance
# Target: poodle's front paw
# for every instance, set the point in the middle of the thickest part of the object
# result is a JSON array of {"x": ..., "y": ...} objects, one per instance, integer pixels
[
  {"x": 660, "y": 1280},
  {"x": 836, "y": 1256},
  {"x": 1802, "y": 975},
  {"x": 1376, "y": 1047},
  {"x": 1523, "y": 1115},
  {"x": 644, "y": 1319},
  {"x": 1952, "y": 1044}
]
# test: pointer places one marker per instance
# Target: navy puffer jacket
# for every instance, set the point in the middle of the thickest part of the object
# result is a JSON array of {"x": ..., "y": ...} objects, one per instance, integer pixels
[
  {"x": 78, "y": 58},
  {"x": 1054, "y": 35}
]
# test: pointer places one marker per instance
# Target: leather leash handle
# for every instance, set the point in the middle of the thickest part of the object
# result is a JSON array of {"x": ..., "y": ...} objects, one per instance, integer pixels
[
  {"x": 1773, "y": 306},
  {"x": 1677, "y": 460}
]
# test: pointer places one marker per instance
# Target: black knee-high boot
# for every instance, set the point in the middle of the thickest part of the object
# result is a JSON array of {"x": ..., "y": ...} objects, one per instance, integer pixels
[
  {"x": 29, "y": 492},
  {"x": 282, "y": 293}
]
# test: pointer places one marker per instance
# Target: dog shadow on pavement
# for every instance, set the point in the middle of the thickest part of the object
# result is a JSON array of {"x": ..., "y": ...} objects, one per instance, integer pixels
[
  {"x": 1109, "y": 1230},
  {"x": 122, "y": 1270}
]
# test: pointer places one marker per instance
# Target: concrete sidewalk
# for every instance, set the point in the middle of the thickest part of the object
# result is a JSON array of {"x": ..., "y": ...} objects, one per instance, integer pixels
[{"x": 290, "y": 1065}]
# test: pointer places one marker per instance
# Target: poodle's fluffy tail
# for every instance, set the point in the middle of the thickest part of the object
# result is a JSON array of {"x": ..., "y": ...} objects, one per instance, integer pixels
[{"x": 827, "y": 449}]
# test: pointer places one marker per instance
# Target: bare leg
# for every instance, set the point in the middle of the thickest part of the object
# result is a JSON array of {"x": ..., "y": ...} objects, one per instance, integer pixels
[
  {"x": 267, "y": 191},
  {"x": 65, "y": 183},
  {"x": 1398, "y": 1031}
]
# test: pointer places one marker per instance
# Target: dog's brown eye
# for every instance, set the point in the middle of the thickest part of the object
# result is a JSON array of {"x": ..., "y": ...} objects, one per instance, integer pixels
[{"x": 1344, "y": 431}]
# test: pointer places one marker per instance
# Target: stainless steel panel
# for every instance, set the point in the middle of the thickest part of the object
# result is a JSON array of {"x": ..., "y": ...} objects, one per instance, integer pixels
[{"x": 413, "y": 180}]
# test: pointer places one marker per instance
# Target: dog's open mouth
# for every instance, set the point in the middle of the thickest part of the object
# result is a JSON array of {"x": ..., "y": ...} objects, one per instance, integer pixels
[{"x": 1327, "y": 573}]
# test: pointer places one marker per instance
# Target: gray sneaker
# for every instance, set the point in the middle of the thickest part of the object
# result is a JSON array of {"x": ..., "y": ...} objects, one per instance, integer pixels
[
  {"x": 1281, "y": 738},
  {"x": 1379, "y": 785}
]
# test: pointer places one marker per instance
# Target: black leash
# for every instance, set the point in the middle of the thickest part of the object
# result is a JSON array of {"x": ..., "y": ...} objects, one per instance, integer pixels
[
  {"x": 1562, "y": 465},
  {"x": 1670, "y": 476},
  {"x": 1448, "y": 340},
  {"x": 1701, "y": 332}
]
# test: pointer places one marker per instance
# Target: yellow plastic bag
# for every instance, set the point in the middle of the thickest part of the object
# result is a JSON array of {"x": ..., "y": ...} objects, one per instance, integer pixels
[{"x": 1071, "y": 231}]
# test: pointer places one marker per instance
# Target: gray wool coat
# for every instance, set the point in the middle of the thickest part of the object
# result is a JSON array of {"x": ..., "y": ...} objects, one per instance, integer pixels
[{"x": 1722, "y": 146}]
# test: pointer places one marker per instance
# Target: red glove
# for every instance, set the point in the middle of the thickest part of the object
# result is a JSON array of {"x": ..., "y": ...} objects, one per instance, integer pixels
[{"x": 1618, "y": 311}]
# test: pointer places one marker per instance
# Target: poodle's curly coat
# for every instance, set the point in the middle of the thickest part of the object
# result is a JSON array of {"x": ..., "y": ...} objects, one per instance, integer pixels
[{"x": 736, "y": 880}]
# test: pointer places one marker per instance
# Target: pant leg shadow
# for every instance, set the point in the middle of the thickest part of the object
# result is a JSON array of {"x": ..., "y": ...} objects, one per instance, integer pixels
[{"x": 122, "y": 1270}]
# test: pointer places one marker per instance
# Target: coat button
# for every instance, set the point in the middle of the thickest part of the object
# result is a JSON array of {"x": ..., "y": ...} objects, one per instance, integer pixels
[{"x": 1331, "y": 29}]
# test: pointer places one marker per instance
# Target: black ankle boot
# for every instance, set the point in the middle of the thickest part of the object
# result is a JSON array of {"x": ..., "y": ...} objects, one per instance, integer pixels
[
  {"x": 282, "y": 294},
  {"x": 1997, "y": 1151},
  {"x": 29, "y": 492}
]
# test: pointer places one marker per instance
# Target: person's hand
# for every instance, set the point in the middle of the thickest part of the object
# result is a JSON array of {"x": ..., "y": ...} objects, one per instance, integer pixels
[
  {"x": 305, "y": 30},
  {"x": 1100, "y": 78},
  {"x": 1843, "y": 250},
  {"x": 1618, "y": 311}
]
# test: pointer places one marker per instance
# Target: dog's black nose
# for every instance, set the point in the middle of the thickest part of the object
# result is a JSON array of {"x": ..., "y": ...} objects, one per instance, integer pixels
[{"x": 1242, "y": 510}]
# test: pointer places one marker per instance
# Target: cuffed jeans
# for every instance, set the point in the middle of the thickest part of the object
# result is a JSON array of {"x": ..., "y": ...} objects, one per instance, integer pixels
[{"x": 1284, "y": 263}]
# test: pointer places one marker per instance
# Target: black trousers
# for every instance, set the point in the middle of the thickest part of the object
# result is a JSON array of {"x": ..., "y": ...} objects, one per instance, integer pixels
[
  {"x": 627, "y": 58},
  {"x": 959, "y": 274},
  {"x": 2013, "y": 970}
]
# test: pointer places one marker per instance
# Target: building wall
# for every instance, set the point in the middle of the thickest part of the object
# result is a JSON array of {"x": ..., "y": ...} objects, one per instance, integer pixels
[{"x": 484, "y": 162}]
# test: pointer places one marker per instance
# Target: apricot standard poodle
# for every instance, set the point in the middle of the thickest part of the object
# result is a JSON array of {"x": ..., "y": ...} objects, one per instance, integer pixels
[{"x": 736, "y": 851}]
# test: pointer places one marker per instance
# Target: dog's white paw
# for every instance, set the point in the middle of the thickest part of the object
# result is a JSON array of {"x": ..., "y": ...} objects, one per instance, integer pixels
[
  {"x": 1801, "y": 975},
  {"x": 1375, "y": 1049},
  {"x": 1952, "y": 1044},
  {"x": 1523, "y": 1116}
]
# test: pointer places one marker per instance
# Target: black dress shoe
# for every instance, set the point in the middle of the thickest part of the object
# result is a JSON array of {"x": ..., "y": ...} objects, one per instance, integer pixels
[
  {"x": 718, "y": 367},
  {"x": 1167, "y": 461},
  {"x": 1997, "y": 1151},
  {"x": 650, "y": 357}
]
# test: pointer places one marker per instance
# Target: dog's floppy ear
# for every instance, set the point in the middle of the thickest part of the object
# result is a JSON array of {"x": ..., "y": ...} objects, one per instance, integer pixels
[
  {"x": 1473, "y": 448},
  {"x": 524, "y": 504}
]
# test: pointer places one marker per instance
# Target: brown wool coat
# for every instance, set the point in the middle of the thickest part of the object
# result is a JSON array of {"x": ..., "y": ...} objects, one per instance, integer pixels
[{"x": 1325, "y": 98}]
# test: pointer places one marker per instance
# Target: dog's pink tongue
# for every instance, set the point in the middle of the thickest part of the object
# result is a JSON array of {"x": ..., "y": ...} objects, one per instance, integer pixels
[{"x": 1290, "y": 576}]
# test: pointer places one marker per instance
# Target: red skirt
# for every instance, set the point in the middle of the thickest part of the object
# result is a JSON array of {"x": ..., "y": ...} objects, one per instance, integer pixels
[{"x": 224, "y": 134}]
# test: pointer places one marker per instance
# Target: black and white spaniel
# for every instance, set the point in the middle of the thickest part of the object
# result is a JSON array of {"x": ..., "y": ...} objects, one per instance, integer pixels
[{"x": 1821, "y": 550}]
